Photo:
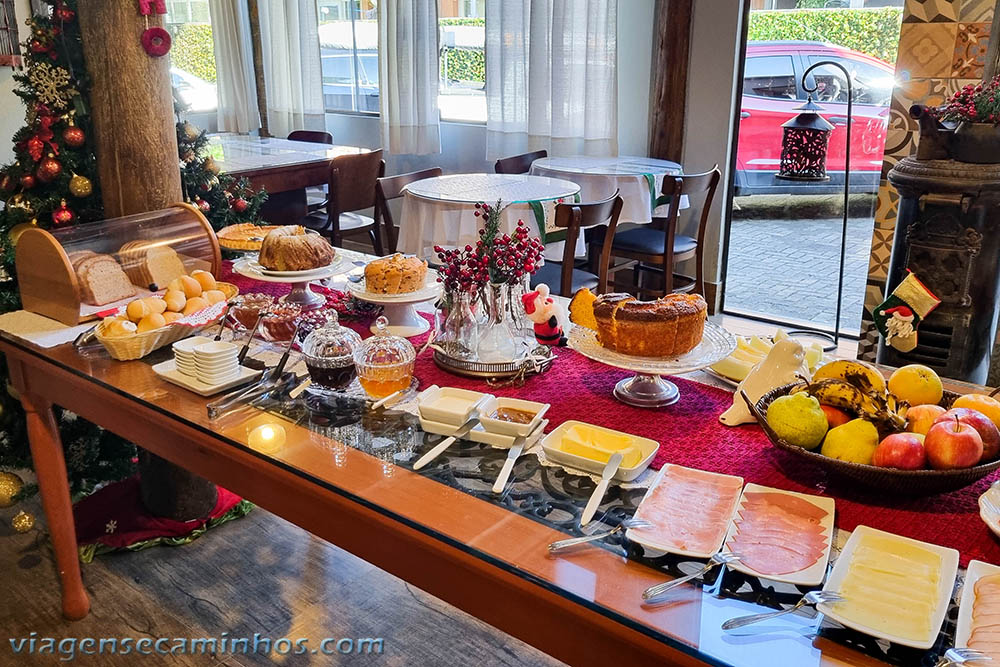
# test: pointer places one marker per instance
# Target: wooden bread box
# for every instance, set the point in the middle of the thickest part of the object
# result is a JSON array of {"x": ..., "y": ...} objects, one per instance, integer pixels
[{"x": 68, "y": 274}]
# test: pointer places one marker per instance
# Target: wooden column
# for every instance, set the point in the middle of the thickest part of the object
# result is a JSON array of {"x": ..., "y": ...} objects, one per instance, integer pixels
[
  {"x": 132, "y": 108},
  {"x": 258, "y": 65},
  {"x": 669, "y": 71}
]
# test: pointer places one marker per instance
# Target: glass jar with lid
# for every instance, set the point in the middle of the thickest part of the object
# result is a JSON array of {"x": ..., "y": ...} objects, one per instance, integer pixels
[
  {"x": 329, "y": 354},
  {"x": 384, "y": 362}
]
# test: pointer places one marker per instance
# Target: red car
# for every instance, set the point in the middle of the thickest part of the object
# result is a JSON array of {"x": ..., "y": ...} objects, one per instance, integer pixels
[{"x": 772, "y": 88}]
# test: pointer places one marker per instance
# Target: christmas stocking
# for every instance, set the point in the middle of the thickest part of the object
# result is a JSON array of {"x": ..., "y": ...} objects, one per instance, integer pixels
[{"x": 898, "y": 317}]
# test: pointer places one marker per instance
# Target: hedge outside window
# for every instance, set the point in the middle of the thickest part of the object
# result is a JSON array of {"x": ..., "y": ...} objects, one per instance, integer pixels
[{"x": 192, "y": 54}]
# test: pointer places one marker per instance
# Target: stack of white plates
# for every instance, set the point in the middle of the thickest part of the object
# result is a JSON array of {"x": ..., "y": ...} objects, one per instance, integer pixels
[
  {"x": 216, "y": 362},
  {"x": 184, "y": 353}
]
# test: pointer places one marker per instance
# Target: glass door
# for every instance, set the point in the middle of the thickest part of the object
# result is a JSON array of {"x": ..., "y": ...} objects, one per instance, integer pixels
[{"x": 783, "y": 241}]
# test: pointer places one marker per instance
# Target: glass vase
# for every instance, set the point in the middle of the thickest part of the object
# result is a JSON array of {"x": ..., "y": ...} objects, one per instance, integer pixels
[
  {"x": 459, "y": 331},
  {"x": 496, "y": 340},
  {"x": 523, "y": 328}
]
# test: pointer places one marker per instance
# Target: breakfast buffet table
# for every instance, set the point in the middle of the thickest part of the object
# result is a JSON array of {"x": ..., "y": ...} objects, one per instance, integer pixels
[{"x": 347, "y": 475}]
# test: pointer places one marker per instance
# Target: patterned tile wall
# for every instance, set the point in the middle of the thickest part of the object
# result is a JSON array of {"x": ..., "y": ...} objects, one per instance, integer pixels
[{"x": 942, "y": 47}]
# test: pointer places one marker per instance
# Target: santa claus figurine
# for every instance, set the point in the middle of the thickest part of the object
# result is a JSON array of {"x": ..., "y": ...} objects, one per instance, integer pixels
[{"x": 547, "y": 316}]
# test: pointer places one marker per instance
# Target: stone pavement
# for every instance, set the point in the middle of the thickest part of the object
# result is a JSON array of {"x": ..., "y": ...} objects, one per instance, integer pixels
[{"x": 784, "y": 254}]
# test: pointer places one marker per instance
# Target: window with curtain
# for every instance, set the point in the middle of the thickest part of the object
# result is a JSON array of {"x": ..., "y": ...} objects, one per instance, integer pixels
[
  {"x": 348, "y": 41},
  {"x": 462, "y": 95},
  {"x": 192, "y": 54}
]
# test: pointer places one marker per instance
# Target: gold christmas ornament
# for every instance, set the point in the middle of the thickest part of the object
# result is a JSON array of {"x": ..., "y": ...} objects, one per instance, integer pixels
[
  {"x": 20, "y": 201},
  {"x": 14, "y": 234},
  {"x": 22, "y": 522},
  {"x": 80, "y": 186},
  {"x": 10, "y": 486},
  {"x": 51, "y": 84}
]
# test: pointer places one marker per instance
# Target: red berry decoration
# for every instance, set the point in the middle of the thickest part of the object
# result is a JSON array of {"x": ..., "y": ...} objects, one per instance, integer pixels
[
  {"x": 62, "y": 216},
  {"x": 28, "y": 181},
  {"x": 48, "y": 169},
  {"x": 240, "y": 205},
  {"x": 74, "y": 136},
  {"x": 156, "y": 41}
]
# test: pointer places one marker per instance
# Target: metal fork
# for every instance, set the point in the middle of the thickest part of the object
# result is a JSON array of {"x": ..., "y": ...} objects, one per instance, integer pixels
[
  {"x": 960, "y": 656},
  {"x": 574, "y": 541},
  {"x": 717, "y": 559},
  {"x": 810, "y": 598}
]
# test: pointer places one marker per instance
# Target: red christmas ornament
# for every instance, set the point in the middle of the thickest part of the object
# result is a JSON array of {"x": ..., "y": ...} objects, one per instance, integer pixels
[
  {"x": 28, "y": 181},
  {"x": 62, "y": 216},
  {"x": 204, "y": 206},
  {"x": 64, "y": 14},
  {"x": 240, "y": 205},
  {"x": 156, "y": 41},
  {"x": 38, "y": 46},
  {"x": 35, "y": 147},
  {"x": 48, "y": 169},
  {"x": 74, "y": 136}
]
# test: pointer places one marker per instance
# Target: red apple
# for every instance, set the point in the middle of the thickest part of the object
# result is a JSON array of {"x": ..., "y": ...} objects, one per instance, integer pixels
[
  {"x": 987, "y": 430},
  {"x": 835, "y": 416},
  {"x": 920, "y": 418},
  {"x": 901, "y": 450},
  {"x": 953, "y": 444}
]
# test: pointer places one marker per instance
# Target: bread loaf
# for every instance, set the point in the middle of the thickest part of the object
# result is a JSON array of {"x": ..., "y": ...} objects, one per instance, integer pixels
[
  {"x": 102, "y": 280},
  {"x": 150, "y": 266}
]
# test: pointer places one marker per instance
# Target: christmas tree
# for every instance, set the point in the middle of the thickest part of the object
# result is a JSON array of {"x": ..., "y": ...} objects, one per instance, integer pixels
[
  {"x": 53, "y": 183},
  {"x": 223, "y": 199}
]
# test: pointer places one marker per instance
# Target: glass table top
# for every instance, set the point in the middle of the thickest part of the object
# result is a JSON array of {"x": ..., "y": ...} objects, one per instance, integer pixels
[
  {"x": 607, "y": 166},
  {"x": 235, "y": 153},
  {"x": 489, "y": 188},
  {"x": 340, "y": 444}
]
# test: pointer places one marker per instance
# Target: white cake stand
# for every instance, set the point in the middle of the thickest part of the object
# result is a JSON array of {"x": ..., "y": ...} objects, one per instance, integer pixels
[
  {"x": 646, "y": 389},
  {"x": 400, "y": 309},
  {"x": 300, "y": 295}
]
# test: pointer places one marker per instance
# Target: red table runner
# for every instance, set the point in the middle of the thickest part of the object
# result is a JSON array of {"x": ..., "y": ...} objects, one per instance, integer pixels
[{"x": 691, "y": 435}]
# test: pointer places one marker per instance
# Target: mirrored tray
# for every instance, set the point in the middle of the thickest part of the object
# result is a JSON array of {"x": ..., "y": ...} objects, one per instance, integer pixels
[{"x": 647, "y": 389}]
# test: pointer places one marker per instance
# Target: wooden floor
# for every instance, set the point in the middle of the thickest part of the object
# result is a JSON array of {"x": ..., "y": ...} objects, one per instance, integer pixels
[{"x": 259, "y": 574}]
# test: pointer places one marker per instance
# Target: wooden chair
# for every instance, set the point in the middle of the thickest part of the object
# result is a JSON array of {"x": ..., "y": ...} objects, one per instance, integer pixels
[
  {"x": 518, "y": 164},
  {"x": 391, "y": 187},
  {"x": 352, "y": 188},
  {"x": 575, "y": 218},
  {"x": 657, "y": 247},
  {"x": 315, "y": 197}
]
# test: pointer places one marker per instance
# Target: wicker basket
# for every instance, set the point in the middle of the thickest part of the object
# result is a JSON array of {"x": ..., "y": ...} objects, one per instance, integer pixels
[
  {"x": 910, "y": 482},
  {"x": 127, "y": 348}
]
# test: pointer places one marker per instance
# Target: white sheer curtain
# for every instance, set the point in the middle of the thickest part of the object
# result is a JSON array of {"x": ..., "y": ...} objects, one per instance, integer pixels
[
  {"x": 551, "y": 77},
  {"x": 408, "y": 76},
  {"x": 235, "y": 84},
  {"x": 292, "y": 76}
]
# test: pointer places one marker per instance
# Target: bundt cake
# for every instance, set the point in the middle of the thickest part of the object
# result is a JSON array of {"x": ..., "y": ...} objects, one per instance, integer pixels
[
  {"x": 668, "y": 327},
  {"x": 396, "y": 274},
  {"x": 291, "y": 248}
]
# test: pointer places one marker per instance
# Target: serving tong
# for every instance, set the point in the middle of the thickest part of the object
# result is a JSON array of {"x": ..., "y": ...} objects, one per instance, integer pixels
[{"x": 811, "y": 598}]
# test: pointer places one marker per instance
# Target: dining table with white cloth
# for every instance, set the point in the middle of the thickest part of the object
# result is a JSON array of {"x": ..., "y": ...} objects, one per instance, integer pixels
[
  {"x": 440, "y": 211},
  {"x": 639, "y": 181}
]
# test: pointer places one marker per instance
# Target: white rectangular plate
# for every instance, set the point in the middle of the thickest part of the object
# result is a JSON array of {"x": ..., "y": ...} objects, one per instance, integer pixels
[
  {"x": 470, "y": 403},
  {"x": 977, "y": 570},
  {"x": 550, "y": 444},
  {"x": 168, "y": 371},
  {"x": 812, "y": 575},
  {"x": 636, "y": 536},
  {"x": 481, "y": 435},
  {"x": 949, "y": 568}
]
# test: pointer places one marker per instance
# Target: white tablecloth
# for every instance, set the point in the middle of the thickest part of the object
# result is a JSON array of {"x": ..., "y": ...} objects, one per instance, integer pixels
[
  {"x": 441, "y": 211},
  {"x": 637, "y": 178}
]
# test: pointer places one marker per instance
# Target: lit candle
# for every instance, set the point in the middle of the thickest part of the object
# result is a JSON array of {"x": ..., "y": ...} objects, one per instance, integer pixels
[{"x": 267, "y": 438}]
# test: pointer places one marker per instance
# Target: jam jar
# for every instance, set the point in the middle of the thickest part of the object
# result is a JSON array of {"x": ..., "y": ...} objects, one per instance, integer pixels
[
  {"x": 329, "y": 355},
  {"x": 279, "y": 324},
  {"x": 384, "y": 362},
  {"x": 248, "y": 307}
]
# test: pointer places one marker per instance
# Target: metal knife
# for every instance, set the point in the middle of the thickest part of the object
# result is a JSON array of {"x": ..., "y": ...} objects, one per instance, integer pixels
[
  {"x": 515, "y": 451},
  {"x": 595, "y": 498},
  {"x": 436, "y": 451}
]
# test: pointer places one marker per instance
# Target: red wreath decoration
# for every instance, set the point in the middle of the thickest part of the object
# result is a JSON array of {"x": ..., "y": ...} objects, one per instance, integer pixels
[{"x": 156, "y": 41}]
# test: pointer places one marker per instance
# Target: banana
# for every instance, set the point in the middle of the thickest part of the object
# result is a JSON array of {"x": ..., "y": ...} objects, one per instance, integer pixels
[
  {"x": 859, "y": 373},
  {"x": 841, "y": 394}
]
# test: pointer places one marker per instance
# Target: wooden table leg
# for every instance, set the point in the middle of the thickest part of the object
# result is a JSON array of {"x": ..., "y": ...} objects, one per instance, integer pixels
[{"x": 50, "y": 467}]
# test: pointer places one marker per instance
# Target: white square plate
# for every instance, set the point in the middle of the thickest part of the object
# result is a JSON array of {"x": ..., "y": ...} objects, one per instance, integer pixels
[
  {"x": 449, "y": 405},
  {"x": 554, "y": 453},
  {"x": 168, "y": 371},
  {"x": 651, "y": 545},
  {"x": 503, "y": 427},
  {"x": 949, "y": 568},
  {"x": 812, "y": 575},
  {"x": 977, "y": 570}
]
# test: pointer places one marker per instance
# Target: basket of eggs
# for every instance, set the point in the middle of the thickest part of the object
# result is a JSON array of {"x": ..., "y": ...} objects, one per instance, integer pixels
[{"x": 190, "y": 304}]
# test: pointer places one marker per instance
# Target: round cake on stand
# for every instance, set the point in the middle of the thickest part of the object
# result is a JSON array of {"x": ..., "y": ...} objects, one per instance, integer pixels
[
  {"x": 300, "y": 295},
  {"x": 400, "y": 309}
]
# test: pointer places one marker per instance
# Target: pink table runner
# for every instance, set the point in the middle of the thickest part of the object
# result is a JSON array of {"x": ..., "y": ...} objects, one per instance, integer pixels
[{"x": 691, "y": 435}]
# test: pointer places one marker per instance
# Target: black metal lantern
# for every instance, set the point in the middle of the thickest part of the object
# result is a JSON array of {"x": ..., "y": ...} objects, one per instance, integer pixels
[{"x": 804, "y": 144}]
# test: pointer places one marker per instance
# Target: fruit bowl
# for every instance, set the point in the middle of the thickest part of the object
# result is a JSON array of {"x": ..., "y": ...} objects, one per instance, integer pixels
[{"x": 909, "y": 482}]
